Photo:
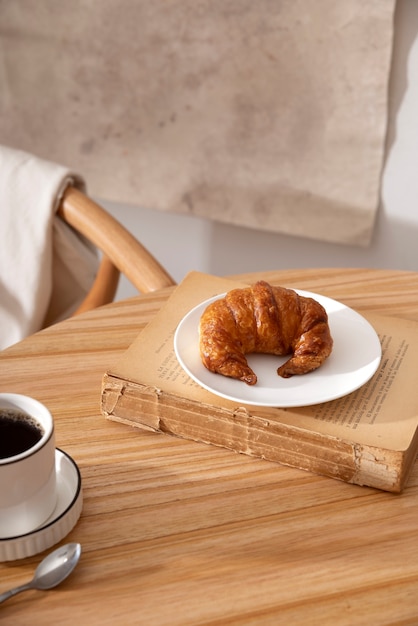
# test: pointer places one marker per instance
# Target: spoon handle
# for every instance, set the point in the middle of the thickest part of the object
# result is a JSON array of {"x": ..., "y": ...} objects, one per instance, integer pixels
[{"x": 8, "y": 594}]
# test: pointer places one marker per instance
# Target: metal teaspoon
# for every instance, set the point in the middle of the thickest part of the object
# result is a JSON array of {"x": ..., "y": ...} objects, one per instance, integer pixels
[{"x": 51, "y": 571}]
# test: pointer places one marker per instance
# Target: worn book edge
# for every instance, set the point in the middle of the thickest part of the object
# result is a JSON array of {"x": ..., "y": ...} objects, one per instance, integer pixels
[{"x": 150, "y": 408}]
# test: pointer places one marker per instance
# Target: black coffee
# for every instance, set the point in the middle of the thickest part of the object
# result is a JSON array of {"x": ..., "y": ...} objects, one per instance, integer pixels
[{"x": 18, "y": 432}]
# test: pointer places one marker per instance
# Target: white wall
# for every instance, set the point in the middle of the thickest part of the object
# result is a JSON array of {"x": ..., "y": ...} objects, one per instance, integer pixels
[{"x": 184, "y": 243}]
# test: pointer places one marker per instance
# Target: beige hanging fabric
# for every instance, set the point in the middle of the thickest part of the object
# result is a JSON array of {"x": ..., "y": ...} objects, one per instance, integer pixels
[{"x": 268, "y": 114}]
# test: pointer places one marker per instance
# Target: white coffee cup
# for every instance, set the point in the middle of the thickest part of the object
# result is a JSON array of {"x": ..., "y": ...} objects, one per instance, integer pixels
[{"x": 28, "y": 493}]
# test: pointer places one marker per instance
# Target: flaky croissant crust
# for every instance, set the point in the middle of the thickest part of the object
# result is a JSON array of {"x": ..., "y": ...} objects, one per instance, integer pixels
[{"x": 265, "y": 319}]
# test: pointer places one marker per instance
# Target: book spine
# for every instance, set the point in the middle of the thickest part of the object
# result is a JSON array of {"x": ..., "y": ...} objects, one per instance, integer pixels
[{"x": 148, "y": 407}]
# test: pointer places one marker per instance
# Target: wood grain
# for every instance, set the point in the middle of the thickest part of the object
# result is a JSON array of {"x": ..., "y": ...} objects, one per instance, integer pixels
[{"x": 178, "y": 533}]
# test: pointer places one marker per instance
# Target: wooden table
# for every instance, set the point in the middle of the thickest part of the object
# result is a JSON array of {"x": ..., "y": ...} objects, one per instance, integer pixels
[{"x": 179, "y": 533}]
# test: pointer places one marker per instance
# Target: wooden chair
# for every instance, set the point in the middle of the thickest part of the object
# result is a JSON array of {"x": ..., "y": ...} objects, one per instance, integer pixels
[{"x": 121, "y": 251}]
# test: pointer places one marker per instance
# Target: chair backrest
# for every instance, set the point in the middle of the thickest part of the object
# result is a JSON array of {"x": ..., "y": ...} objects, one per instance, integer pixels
[{"x": 122, "y": 252}]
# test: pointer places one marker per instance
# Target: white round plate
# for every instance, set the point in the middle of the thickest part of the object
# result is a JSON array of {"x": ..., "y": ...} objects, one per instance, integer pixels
[
  {"x": 61, "y": 521},
  {"x": 354, "y": 359}
]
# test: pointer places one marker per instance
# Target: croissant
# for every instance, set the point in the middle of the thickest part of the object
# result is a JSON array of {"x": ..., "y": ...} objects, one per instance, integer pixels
[{"x": 265, "y": 319}]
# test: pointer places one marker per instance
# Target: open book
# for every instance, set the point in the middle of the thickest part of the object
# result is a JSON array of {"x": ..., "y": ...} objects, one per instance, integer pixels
[{"x": 368, "y": 437}]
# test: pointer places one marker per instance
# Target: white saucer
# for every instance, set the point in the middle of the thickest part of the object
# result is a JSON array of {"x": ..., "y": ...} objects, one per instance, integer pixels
[
  {"x": 62, "y": 520},
  {"x": 355, "y": 358}
]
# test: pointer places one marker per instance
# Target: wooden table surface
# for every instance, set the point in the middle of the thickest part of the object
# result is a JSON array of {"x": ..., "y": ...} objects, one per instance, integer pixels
[{"x": 174, "y": 532}]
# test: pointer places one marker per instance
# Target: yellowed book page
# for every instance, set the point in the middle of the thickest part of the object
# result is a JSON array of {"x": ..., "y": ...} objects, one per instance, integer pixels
[{"x": 382, "y": 413}]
